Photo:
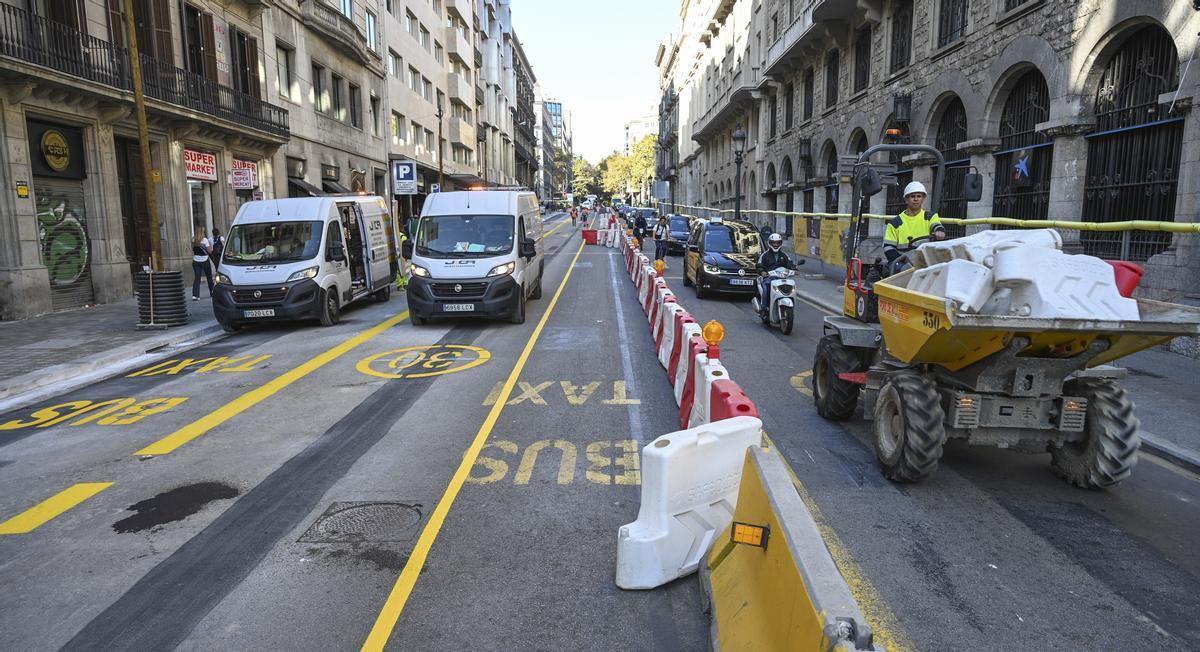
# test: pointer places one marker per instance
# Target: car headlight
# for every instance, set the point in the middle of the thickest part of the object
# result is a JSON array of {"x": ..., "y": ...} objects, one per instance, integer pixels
[
  {"x": 417, "y": 270},
  {"x": 711, "y": 269},
  {"x": 222, "y": 279},
  {"x": 501, "y": 270},
  {"x": 307, "y": 272}
]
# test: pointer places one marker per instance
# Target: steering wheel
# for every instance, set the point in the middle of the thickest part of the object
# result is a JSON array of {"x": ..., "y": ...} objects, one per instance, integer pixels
[{"x": 904, "y": 261}]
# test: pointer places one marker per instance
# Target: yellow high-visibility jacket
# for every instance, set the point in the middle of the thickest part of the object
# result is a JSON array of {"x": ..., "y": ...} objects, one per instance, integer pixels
[{"x": 903, "y": 227}]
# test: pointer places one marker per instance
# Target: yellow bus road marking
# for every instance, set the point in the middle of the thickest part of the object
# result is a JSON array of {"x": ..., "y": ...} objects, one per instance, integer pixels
[
  {"x": 390, "y": 613},
  {"x": 423, "y": 361},
  {"x": 36, "y": 516},
  {"x": 110, "y": 412},
  {"x": 574, "y": 394},
  {"x": 263, "y": 392},
  {"x": 883, "y": 622},
  {"x": 609, "y": 462}
]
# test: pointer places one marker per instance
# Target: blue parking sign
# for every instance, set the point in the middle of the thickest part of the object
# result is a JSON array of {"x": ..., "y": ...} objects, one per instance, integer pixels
[{"x": 404, "y": 177}]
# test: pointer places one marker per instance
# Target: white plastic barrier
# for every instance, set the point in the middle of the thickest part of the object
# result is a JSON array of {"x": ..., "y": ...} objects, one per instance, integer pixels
[
  {"x": 690, "y": 482},
  {"x": 705, "y": 374},
  {"x": 645, "y": 284},
  {"x": 980, "y": 247},
  {"x": 690, "y": 331},
  {"x": 968, "y": 283},
  {"x": 661, "y": 291},
  {"x": 666, "y": 321},
  {"x": 1052, "y": 285}
]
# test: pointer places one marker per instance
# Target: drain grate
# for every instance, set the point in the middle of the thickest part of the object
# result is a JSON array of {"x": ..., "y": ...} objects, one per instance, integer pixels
[{"x": 359, "y": 522}]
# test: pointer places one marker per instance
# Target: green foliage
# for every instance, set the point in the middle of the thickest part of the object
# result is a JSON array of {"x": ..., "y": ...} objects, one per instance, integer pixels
[{"x": 586, "y": 178}]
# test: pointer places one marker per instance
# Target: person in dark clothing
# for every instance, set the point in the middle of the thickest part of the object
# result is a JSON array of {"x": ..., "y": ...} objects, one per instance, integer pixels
[
  {"x": 218, "y": 246},
  {"x": 639, "y": 225},
  {"x": 201, "y": 250},
  {"x": 660, "y": 238},
  {"x": 773, "y": 257}
]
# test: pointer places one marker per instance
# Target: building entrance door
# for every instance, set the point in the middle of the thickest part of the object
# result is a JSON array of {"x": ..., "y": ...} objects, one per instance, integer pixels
[{"x": 135, "y": 215}]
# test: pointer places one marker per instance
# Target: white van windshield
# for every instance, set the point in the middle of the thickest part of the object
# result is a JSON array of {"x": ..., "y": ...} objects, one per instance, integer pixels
[
  {"x": 445, "y": 236},
  {"x": 272, "y": 242}
]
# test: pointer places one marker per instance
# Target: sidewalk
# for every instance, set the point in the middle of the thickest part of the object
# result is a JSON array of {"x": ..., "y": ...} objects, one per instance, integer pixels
[
  {"x": 1162, "y": 383},
  {"x": 86, "y": 344}
]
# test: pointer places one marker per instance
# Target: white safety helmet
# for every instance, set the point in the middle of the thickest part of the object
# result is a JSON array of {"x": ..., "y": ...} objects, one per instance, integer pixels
[
  {"x": 915, "y": 186},
  {"x": 775, "y": 241}
]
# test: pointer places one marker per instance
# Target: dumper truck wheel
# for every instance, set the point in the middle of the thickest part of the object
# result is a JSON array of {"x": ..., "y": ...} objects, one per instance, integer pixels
[
  {"x": 909, "y": 432},
  {"x": 835, "y": 398},
  {"x": 1109, "y": 452}
]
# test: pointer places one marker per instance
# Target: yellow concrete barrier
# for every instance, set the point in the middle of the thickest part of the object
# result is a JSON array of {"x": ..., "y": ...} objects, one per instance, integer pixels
[{"x": 777, "y": 587}]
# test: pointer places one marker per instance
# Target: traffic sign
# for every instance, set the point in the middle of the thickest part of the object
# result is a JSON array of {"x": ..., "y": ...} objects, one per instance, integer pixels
[
  {"x": 435, "y": 187},
  {"x": 404, "y": 177}
]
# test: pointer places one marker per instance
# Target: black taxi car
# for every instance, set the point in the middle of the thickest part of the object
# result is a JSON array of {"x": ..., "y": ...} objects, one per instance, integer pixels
[{"x": 722, "y": 256}]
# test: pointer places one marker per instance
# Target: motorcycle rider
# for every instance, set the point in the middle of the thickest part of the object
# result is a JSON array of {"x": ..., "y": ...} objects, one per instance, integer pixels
[
  {"x": 910, "y": 224},
  {"x": 772, "y": 258}
]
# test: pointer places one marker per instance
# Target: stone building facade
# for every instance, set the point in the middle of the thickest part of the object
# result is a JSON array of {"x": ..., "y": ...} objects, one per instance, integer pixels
[{"x": 1074, "y": 110}]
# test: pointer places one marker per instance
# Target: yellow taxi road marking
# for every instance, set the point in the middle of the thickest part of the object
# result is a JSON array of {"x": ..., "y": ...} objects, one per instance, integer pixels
[
  {"x": 575, "y": 394},
  {"x": 800, "y": 382},
  {"x": 265, "y": 391},
  {"x": 423, "y": 361},
  {"x": 621, "y": 456},
  {"x": 883, "y": 622},
  {"x": 390, "y": 613},
  {"x": 36, "y": 516},
  {"x": 109, "y": 412},
  {"x": 221, "y": 364}
]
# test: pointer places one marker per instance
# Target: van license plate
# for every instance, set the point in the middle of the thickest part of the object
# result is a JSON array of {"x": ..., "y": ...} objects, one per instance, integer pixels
[
  {"x": 269, "y": 312},
  {"x": 458, "y": 307},
  {"x": 741, "y": 281}
]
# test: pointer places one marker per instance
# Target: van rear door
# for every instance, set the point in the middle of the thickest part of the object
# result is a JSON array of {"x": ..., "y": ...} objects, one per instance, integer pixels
[{"x": 379, "y": 262}]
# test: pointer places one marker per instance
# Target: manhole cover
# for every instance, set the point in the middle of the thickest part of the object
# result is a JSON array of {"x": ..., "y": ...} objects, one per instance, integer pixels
[{"x": 365, "y": 522}]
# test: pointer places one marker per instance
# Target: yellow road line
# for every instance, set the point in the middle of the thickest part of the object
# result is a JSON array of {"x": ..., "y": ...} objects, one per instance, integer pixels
[
  {"x": 560, "y": 225},
  {"x": 263, "y": 392},
  {"x": 36, "y": 516},
  {"x": 390, "y": 613},
  {"x": 879, "y": 616}
]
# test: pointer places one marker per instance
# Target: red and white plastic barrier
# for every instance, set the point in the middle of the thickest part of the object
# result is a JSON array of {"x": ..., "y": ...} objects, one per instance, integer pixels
[
  {"x": 661, "y": 293},
  {"x": 665, "y": 333},
  {"x": 679, "y": 366}
]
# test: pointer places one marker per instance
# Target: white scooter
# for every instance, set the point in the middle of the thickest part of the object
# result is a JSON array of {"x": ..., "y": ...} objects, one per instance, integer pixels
[{"x": 781, "y": 307}]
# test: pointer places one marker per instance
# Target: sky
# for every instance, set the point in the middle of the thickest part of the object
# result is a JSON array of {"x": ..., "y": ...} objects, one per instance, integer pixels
[{"x": 597, "y": 57}]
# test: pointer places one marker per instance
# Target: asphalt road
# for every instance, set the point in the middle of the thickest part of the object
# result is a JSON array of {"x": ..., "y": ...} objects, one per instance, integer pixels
[
  {"x": 269, "y": 490},
  {"x": 993, "y": 551}
]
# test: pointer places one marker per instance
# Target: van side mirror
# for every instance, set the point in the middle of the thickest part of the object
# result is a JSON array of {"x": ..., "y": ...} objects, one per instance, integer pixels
[
  {"x": 973, "y": 186},
  {"x": 869, "y": 183},
  {"x": 406, "y": 249},
  {"x": 528, "y": 249},
  {"x": 335, "y": 251}
]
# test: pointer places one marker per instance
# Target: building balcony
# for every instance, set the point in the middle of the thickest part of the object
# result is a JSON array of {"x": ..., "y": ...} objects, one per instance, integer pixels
[
  {"x": 460, "y": 131},
  {"x": 459, "y": 88},
  {"x": 44, "y": 44},
  {"x": 730, "y": 106},
  {"x": 458, "y": 47},
  {"x": 341, "y": 32}
]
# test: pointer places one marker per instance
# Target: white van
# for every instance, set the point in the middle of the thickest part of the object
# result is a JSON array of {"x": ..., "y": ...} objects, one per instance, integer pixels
[
  {"x": 303, "y": 258},
  {"x": 475, "y": 253}
]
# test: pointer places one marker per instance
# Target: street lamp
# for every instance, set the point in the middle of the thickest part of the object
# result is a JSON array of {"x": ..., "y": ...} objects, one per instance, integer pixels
[
  {"x": 739, "y": 150},
  {"x": 671, "y": 180}
]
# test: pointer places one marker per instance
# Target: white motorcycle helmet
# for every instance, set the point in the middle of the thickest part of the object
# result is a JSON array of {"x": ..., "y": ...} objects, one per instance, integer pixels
[{"x": 775, "y": 241}]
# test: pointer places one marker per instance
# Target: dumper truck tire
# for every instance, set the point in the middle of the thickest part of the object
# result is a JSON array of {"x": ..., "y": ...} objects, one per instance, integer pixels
[
  {"x": 1109, "y": 452},
  {"x": 909, "y": 429},
  {"x": 835, "y": 398}
]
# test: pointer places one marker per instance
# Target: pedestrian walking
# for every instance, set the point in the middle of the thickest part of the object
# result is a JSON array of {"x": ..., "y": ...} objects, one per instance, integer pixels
[
  {"x": 574, "y": 216},
  {"x": 660, "y": 239},
  {"x": 201, "y": 252},
  {"x": 218, "y": 247}
]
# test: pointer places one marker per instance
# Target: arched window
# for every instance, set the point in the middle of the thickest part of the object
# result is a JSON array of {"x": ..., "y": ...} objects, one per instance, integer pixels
[
  {"x": 770, "y": 186},
  {"x": 859, "y": 145},
  {"x": 1022, "y": 188},
  {"x": 789, "y": 197},
  {"x": 952, "y": 130},
  {"x": 1133, "y": 156},
  {"x": 831, "y": 185}
]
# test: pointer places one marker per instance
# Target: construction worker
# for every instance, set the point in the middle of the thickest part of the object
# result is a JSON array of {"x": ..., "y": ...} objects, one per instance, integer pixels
[
  {"x": 402, "y": 275},
  {"x": 910, "y": 228}
]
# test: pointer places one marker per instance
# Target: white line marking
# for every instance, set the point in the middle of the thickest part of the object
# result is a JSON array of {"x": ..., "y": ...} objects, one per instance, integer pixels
[{"x": 635, "y": 423}]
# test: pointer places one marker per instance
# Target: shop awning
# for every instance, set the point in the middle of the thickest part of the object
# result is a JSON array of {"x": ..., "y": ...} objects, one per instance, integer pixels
[
  {"x": 335, "y": 187},
  {"x": 305, "y": 187}
]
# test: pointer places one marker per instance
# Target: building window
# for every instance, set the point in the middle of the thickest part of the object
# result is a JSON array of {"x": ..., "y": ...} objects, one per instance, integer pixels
[
  {"x": 391, "y": 7},
  {"x": 355, "y": 106},
  {"x": 808, "y": 93},
  {"x": 774, "y": 114},
  {"x": 427, "y": 89},
  {"x": 952, "y": 130},
  {"x": 902, "y": 18},
  {"x": 320, "y": 92},
  {"x": 1009, "y": 5},
  {"x": 370, "y": 24},
  {"x": 394, "y": 64},
  {"x": 952, "y": 21},
  {"x": 831, "y": 183},
  {"x": 414, "y": 80},
  {"x": 789, "y": 106},
  {"x": 832, "y": 71},
  {"x": 374, "y": 117},
  {"x": 1022, "y": 185},
  {"x": 437, "y": 7},
  {"x": 416, "y": 136},
  {"x": 339, "y": 102},
  {"x": 862, "y": 59},
  {"x": 348, "y": 8},
  {"x": 243, "y": 62},
  {"x": 439, "y": 54},
  {"x": 283, "y": 69},
  {"x": 423, "y": 38},
  {"x": 397, "y": 128},
  {"x": 410, "y": 23}
]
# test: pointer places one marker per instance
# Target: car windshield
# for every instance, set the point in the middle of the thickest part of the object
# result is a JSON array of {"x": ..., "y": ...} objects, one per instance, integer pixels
[
  {"x": 721, "y": 239},
  {"x": 473, "y": 235},
  {"x": 272, "y": 242},
  {"x": 679, "y": 224}
]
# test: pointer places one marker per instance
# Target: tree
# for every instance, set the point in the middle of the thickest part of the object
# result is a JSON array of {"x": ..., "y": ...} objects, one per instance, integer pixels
[
  {"x": 586, "y": 177},
  {"x": 615, "y": 178}
]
